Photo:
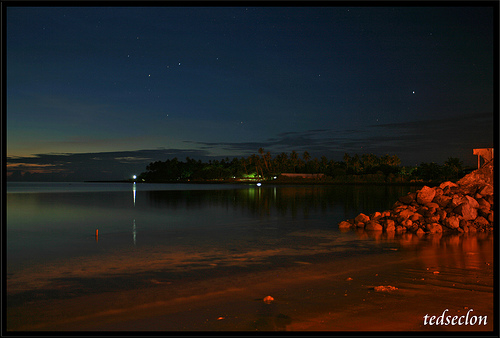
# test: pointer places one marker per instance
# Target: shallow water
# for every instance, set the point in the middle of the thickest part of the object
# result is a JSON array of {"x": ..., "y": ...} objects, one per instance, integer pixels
[
  {"x": 54, "y": 221},
  {"x": 163, "y": 235}
]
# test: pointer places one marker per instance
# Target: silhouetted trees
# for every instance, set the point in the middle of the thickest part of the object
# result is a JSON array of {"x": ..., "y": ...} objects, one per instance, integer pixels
[
  {"x": 356, "y": 168},
  {"x": 451, "y": 170}
]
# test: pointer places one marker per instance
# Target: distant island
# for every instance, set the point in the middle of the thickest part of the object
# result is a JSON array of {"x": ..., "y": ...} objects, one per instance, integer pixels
[{"x": 292, "y": 168}]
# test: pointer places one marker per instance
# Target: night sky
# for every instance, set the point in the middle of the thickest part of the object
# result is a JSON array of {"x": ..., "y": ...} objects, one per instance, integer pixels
[{"x": 100, "y": 92}]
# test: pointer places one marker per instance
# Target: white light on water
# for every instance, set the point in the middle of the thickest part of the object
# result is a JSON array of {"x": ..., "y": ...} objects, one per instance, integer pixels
[
  {"x": 134, "y": 191},
  {"x": 259, "y": 184}
]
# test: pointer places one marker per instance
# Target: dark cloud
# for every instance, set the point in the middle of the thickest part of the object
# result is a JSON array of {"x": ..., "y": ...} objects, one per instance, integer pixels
[
  {"x": 413, "y": 142},
  {"x": 92, "y": 166}
]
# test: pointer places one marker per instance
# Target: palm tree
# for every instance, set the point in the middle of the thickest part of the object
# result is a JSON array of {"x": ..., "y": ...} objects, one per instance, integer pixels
[
  {"x": 356, "y": 163},
  {"x": 369, "y": 161},
  {"x": 347, "y": 160},
  {"x": 244, "y": 163},
  {"x": 314, "y": 166},
  {"x": 261, "y": 152},
  {"x": 324, "y": 164},
  {"x": 395, "y": 161},
  {"x": 268, "y": 161},
  {"x": 306, "y": 157},
  {"x": 281, "y": 162},
  {"x": 256, "y": 161},
  {"x": 294, "y": 159}
]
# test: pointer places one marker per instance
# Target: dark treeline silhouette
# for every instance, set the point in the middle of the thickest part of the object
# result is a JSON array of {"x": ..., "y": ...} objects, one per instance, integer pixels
[{"x": 262, "y": 166}]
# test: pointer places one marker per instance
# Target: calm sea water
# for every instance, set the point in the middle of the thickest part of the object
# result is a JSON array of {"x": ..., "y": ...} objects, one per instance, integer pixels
[
  {"x": 51, "y": 221},
  {"x": 153, "y": 236}
]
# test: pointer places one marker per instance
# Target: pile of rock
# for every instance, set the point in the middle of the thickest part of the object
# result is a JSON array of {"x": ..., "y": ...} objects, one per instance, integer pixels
[{"x": 465, "y": 206}]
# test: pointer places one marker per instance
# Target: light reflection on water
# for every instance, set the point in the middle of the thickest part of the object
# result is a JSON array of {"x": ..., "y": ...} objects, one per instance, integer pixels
[
  {"x": 60, "y": 221},
  {"x": 165, "y": 234},
  {"x": 468, "y": 249}
]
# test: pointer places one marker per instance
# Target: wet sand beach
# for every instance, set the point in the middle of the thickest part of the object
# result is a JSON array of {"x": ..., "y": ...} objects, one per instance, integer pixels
[{"x": 311, "y": 293}]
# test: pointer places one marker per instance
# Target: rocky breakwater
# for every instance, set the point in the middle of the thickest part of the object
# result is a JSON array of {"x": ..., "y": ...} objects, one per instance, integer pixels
[{"x": 464, "y": 206}]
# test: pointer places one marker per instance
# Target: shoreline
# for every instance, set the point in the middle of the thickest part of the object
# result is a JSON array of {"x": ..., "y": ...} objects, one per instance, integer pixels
[
  {"x": 325, "y": 295},
  {"x": 275, "y": 182}
]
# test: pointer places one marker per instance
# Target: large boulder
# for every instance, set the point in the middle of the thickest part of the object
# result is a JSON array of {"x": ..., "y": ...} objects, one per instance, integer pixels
[
  {"x": 472, "y": 202},
  {"x": 362, "y": 218},
  {"x": 405, "y": 214},
  {"x": 432, "y": 219},
  {"x": 345, "y": 225},
  {"x": 466, "y": 211},
  {"x": 452, "y": 222},
  {"x": 425, "y": 195},
  {"x": 416, "y": 217},
  {"x": 375, "y": 216},
  {"x": 485, "y": 190},
  {"x": 481, "y": 221},
  {"x": 448, "y": 184},
  {"x": 434, "y": 227},
  {"x": 439, "y": 192},
  {"x": 389, "y": 225},
  {"x": 483, "y": 204},
  {"x": 423, "y": 210},
  {"x": 432, "y": 207},
  {"x": 373, "y": 226},
  {"x": 386, "y": 213},
  {"x": 442, "y": 200},
  {"x": 456, "y": 200},
  {"x": 407, "y": 223}
]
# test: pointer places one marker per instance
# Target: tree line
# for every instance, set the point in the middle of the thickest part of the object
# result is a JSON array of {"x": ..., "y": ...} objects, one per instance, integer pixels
[{"x": 263, "y": 166}]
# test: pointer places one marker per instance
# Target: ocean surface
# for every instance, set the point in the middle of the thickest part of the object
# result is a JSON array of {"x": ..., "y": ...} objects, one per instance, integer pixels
[
  {"x": 48, "y": 221},
  {"x": 69, "y": 245}
]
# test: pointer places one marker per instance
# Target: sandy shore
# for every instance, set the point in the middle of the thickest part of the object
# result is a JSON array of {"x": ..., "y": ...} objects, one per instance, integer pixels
[{"x": 453, "y": 273}]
